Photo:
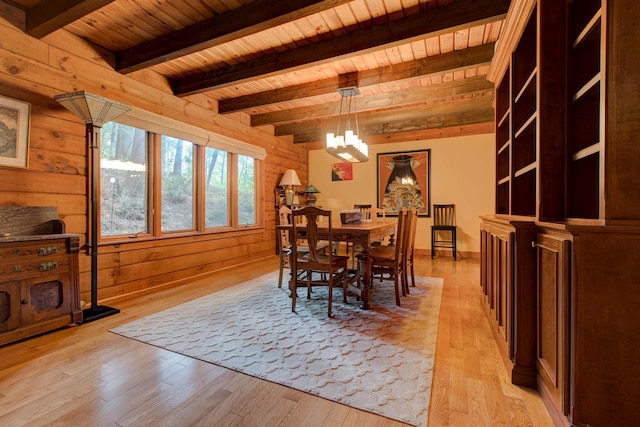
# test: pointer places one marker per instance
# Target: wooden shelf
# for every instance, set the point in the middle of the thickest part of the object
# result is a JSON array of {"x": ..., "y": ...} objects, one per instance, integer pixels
[
  {"x": 586, "y": 152},
  {"x": 530, "y": 167},
  {"x": 588, "y": 28},
  {"x": 527, "y": 86},
  {"x": 588, "y": 86}
]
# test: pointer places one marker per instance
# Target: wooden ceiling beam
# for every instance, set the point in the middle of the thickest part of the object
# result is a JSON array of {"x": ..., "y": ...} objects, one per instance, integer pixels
[
  {"x": 382, "y": 101},
  {"x": 51, "y": 15},
  {"x": 458, "y": 60},
  {"x": 462, "y": 112},
  {"x": 415, "y": 135},
  {"x": 431, "y": 23},
  {"x": 241, "y": 22},
  {"x": 482, "y": 127},
  {"x": 479, "y": 121}
]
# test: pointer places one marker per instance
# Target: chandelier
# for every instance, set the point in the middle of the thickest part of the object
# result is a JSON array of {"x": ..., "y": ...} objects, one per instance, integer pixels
[{"x": 347, "y": 146}]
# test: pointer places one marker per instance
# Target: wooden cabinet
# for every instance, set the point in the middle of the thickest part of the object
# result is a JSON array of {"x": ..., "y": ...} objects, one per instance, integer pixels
[
  {"x": 39, "y": 287},
  {"x": 567, "y": 132},
  {"x": 509, "y": 290}
]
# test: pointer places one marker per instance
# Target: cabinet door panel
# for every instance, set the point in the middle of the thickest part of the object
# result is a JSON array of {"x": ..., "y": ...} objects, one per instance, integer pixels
[
  {"x": 502, "y": 285},
  {"x": 45, "y": 298},
  {"x": 9, "y": 306},
  {"x": 553, "y": 317}
]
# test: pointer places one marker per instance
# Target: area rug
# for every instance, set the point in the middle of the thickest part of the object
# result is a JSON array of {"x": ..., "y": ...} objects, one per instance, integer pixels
[{"x": 379, "y": 360}]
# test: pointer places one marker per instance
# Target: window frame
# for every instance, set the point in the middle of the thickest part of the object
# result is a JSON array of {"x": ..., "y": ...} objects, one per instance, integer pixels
[{"x": 154, "y": 192}]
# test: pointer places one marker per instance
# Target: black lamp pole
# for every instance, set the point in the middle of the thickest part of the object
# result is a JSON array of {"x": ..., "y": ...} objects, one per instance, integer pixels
[{"x": 96, "y": 311}]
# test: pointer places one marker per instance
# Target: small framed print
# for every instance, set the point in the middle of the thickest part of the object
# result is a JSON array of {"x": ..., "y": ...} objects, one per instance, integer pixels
[{"x": 14, "y": 132}]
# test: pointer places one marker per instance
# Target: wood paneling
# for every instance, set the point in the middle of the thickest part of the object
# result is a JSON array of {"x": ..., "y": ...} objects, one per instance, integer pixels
[{"x": 34, "y": 71}]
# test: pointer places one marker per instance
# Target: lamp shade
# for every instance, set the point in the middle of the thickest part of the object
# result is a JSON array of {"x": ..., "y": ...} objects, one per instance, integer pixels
[
  {"x": 93, "y": 109},
  {"x": 290, "y": 177},
  {"x": 311, "y": 189}
]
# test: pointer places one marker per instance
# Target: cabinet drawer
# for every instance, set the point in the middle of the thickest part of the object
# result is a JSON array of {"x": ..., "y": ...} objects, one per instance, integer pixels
[
  {"x": 19, "y": 261},
  {"x": 30, "y": 267},
  {"x": 38, "y": 249}
]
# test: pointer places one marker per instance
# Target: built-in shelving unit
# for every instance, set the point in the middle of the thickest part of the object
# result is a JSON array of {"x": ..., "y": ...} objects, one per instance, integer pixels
[
  {"x": 585, "y": 133},
  {"x": 524, "y": 145},
  {"x": 558, "y": 256},
  {"x": 503, "y": 145}
]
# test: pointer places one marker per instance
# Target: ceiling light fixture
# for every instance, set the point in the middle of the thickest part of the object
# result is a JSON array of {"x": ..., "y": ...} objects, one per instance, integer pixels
[{"x": 348, "y": 146}]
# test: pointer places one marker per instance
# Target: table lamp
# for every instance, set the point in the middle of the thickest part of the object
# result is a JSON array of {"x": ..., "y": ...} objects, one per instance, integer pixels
[
  {"x": 288, "y": 181},
  {"x": 311, "y": 192}
]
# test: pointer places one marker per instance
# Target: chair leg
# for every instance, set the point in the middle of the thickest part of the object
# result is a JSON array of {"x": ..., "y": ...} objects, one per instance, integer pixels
[
  {"x": 433, "y": 243},
  {"x": 454, "y": 241},
  {"x": 344, "y": 285},
  {"x": 413, "y": 275},
  {"x": 397, "y": 284},
  {"x": 281, "y": 270},
  {"x": 294, "y": 294},
  {"x": 330, "y": 293},
  {"x": 405, "y": 276}
]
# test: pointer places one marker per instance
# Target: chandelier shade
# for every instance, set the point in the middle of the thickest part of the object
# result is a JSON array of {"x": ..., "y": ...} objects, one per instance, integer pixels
[{"x": 347, "y": 146}]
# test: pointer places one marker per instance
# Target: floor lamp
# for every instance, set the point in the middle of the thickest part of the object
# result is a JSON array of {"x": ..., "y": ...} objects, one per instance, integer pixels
[{"x": 95, "y": 111}]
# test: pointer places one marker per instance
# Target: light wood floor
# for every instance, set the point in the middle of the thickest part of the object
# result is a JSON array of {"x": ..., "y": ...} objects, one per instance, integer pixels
[{"x": 86, "y": 376}]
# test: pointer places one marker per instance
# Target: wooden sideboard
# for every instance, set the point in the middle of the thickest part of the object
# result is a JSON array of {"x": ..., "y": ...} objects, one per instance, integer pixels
[{"x": 39, "y": 285}]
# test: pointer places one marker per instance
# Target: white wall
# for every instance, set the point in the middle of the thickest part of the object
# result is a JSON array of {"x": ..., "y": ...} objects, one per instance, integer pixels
[{"x": 462, "y": 172}]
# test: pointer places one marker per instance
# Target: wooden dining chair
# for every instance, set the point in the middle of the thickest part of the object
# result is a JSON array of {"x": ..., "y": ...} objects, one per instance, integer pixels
[
  {"x": 390, "y": 260},
  {"x": 315, "y": 268},
  {"x": 284, "y": 218},
  {"x": 444, "y": 221}
]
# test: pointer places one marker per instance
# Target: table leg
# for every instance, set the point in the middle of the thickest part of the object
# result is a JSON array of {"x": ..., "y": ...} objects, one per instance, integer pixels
[{"x": 365, "y": 265}]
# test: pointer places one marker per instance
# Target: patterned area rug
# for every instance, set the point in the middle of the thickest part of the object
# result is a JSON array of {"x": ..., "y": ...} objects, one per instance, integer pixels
[{"x": 379, "y": 361}]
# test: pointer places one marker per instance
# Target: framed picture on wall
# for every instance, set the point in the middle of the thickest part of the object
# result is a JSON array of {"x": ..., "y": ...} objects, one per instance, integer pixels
[
  {"x": 404, "y": 181},
  {"x": 14, "y": 132},
  {"x": 341, "y": 172}
]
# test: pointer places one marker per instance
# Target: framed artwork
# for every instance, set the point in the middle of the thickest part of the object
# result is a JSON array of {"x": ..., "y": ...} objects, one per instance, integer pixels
[
  {"x": 14, "y": 132},
  {"x": 341, "y": 172},
  {"x": 404, "y": 181}
]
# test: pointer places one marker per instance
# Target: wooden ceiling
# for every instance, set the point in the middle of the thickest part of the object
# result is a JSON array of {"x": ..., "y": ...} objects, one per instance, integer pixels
[{"x": 420, "y": 65}]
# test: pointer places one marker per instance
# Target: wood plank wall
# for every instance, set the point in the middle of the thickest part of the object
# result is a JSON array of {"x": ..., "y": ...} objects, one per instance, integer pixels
[{"x": 34, "y": 71}]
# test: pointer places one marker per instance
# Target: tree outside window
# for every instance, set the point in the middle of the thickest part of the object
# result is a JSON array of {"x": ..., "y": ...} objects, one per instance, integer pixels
[
  {"x": 177, "y": 184},
  {"x": 246, "y": 190},
  {"x": 123, "y": 180},
  {"x": 216, "y": 188}
]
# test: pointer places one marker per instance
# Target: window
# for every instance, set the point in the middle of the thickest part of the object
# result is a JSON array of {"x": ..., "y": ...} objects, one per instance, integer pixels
[
  {"x": 216, "y": 188},
  {"x": 153, "y": 185},
  {"x": 123, "y": 180},
  {"x": 177, "y": 211},
  {"x": 246, "y": 190}
]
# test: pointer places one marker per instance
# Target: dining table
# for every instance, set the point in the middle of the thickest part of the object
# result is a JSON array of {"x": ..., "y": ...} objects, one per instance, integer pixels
[{"x": 364, "y": 233}]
